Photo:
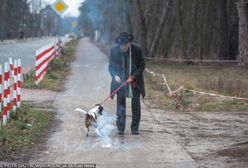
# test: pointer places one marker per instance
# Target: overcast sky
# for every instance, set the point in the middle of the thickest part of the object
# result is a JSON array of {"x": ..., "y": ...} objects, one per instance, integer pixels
[{"x": 73, "y": 6}]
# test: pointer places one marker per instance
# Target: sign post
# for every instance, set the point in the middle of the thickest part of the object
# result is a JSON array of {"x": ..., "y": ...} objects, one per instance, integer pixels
[{"x": 59, "y": 6}]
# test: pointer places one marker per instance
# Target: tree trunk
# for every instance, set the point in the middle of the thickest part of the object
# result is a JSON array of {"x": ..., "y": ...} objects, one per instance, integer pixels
[
  {"x": 224, "y": 37},
  {"x": 159, "y": 32},
  {"x": 2, "y": 27},
  {"x": 182, "y": 36},
  {"x": 243, "y": 32},
  {"x": 141, "y": 26},
  {"x": 127, "y": 16}
]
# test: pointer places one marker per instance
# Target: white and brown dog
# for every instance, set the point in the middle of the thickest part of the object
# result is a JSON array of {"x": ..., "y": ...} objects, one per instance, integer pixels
[{"x": 91, "y": 117}]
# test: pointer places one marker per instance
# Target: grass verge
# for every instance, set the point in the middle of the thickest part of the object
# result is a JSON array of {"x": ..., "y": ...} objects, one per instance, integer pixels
[
  {"x": 238, "y": 151},
  {"x": 57, "y": 71},
  {"x": 229, "y": 80},
  {"x": 226, "y": 80},
  {"x": 23, "y": 130},
  {"x": 27, "y": 125}
]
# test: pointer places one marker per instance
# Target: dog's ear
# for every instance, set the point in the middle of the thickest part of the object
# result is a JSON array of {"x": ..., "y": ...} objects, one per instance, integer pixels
[{"x": 100, "y": 108}]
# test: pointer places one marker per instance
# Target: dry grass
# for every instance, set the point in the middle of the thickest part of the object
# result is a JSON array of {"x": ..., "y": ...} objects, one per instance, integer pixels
[
  {"x": 229, "y": 80},
  {"x": 235, "y": 151}
]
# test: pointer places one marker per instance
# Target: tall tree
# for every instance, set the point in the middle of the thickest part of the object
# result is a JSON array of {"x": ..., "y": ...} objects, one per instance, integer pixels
[
  {"x": 196, "y": 29},
  {"x": 139, "y": 21},
  {"x": 224, "y": 37},
  {"x": 85, "y": 20},
  {"x": 243, "y": 32},
  {"x": 159, "y": 31},
  {"x": 2, "y": 18}
]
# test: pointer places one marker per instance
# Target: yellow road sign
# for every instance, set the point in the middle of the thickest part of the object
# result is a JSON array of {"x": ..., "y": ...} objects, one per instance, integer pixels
[
  {"x": 74, "y": 24},
  {"x": 59, "y": 6}
]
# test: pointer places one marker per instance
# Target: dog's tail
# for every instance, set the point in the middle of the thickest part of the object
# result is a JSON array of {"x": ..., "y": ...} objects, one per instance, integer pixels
[{"x": 81, "y": 111}]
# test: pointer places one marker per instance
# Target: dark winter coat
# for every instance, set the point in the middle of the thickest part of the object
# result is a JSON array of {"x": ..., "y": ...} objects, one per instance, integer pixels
[{"x": 116, "y": 67}]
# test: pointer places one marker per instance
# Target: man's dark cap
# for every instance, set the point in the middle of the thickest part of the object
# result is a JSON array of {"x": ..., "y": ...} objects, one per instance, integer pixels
[{"x": 123, "y": 38}]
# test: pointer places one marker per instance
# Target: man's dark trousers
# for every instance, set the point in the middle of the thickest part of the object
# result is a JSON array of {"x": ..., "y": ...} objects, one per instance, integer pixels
[{"x": 121, "y": 111}]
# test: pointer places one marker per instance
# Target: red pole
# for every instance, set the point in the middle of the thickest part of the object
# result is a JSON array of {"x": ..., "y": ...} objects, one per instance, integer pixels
[{"x": 116, "y": 90}]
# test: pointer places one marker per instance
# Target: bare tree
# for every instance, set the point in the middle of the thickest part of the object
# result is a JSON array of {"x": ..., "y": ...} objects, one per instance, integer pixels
[
  {"x": 158, "y": 32},
  {"x": 243, "y": 31},
  {"x": 199, "y": 29},
  {"x": 2, "y": 17},
  {"x": 138, "y": 20},
  {"x": 224, "y": 37}
]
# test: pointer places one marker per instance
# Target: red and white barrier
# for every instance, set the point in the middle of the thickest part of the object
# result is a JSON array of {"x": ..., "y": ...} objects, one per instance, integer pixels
[
  {"x": 19, "y": 78},
  {"x": 58, "y": 49},
  {"x": 15, "y": 85},
  {"x": 43, "y": 56},
  {"x": 1, "y": 79},
  {"x": 8, "y": 96},
  {"x": 7, "y": 88},
  {"x": 5, "y": 99},
  {"x": 11, "y": 66}
]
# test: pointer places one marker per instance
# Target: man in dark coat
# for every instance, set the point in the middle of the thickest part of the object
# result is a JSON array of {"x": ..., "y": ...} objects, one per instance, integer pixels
[{"x": 126, "y": 63}]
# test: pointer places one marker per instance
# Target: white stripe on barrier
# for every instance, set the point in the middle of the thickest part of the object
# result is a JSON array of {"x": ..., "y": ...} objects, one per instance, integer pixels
[
  {"x": 4, "y": 120},
  {"x": 11, "y": 66}
]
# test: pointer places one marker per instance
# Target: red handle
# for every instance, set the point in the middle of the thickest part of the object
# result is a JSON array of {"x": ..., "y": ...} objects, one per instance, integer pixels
[{"x": 116, "y": 90}]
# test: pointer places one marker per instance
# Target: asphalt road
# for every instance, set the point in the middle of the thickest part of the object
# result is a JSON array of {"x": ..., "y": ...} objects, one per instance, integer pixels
[{"x": 25, "y": 50}]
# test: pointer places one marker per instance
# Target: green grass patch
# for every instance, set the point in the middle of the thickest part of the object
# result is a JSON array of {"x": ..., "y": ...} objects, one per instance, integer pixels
[
  {"x": 57, "y": 71},
  {"x": 22, "y": 131}
]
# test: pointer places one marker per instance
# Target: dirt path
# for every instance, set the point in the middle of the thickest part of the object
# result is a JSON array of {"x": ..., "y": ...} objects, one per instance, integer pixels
[
  {"x": 166, "y": 139},
  {"x": 202, "y": 134}
]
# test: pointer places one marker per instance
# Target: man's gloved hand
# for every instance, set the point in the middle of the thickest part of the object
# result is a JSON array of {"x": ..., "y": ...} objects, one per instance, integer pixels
[
  {"x": 130, "y": 79},
  {"x": 117, "y": 79}
]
